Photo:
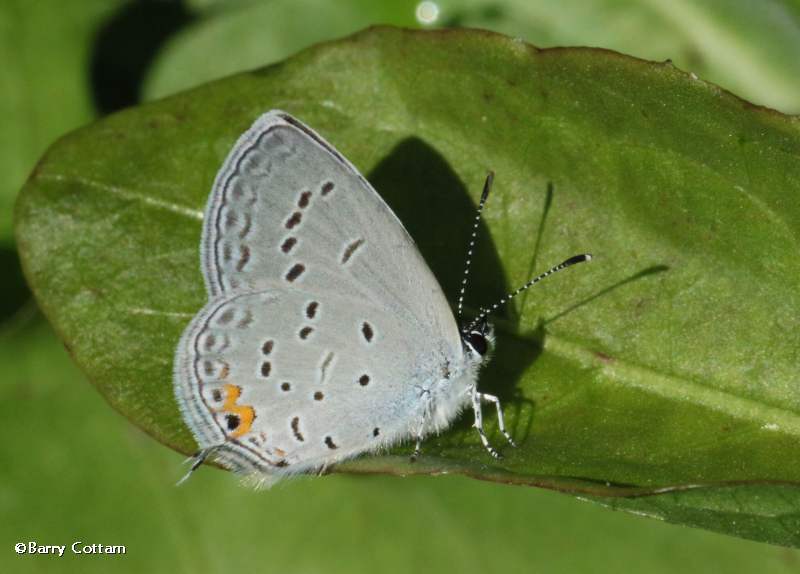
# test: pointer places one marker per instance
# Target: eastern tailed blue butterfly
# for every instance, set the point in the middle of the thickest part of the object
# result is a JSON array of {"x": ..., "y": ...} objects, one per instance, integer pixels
[{"x": 325, "y": 334}]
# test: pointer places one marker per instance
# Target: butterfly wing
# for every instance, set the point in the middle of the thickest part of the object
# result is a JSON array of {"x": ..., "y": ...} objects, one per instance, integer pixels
[
  {"x": 292, "y": 379},
  {"x": 286, "y": 206},
  {"x": 314, "y": 284}
]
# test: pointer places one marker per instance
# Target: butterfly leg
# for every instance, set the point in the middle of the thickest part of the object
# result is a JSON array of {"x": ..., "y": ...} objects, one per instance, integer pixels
[
  {"x": 476, "y": 407},
  {"x": 425, "y": 396},
  {"x": 417, "y": 448},
  {"x": 196, "y": 459},
  {"x": 500, "y": 422}
]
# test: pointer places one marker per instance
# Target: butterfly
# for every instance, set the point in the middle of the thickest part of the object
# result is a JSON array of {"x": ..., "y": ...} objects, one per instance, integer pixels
[{"x": 325, "y": 334}]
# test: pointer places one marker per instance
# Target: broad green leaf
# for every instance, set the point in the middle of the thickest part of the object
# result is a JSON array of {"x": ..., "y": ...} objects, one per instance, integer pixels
[
  {"x": 45, "y": 48},
  {"x": 748, "y": 47},
  {"x": 668, "y": 363}
]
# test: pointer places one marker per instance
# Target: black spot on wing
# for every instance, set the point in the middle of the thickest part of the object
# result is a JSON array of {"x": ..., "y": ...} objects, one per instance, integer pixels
[
  {"x": 295, "y": 272},
  {"x": 351, "y": 249},
  {"x": 294, "y": 220},
  {"x": 288, "y": 244},
  {"x": 366, "y": 330},
  {"x": 296, "y": 429}
]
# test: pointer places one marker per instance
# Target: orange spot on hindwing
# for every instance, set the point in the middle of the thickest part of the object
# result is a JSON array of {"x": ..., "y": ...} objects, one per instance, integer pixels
[{"x": 238, "y": 418}]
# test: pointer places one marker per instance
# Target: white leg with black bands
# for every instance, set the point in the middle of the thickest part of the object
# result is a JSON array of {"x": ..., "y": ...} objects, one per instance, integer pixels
[
  {"x": 417, "y": 449},
  {"x": 500, "y": 421},
  {"x": 476, "y": 406}
]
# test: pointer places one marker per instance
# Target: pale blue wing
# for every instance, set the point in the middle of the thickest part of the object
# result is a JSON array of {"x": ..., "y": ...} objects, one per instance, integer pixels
[{"x": 290, "y": 379}]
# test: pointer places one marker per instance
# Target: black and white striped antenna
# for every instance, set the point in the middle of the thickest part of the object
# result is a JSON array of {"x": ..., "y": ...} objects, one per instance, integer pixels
[
  {"x": 484, "y": 312},
  {"x": 486, "y": 187},
  {"x": 563, "y": 265}
]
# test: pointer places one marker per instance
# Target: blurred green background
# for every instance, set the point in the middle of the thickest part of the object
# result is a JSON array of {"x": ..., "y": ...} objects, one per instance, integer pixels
[{"x": 72, "y": 469}]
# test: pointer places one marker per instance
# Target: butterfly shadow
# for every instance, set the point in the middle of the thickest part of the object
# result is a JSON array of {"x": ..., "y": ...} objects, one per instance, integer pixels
[
  {"x": 437, "y": 210},
  {"x": 641, "y": 274}
]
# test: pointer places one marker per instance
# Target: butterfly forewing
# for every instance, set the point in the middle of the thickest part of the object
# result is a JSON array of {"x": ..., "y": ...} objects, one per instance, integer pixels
[{"x": 286, "y": 206}]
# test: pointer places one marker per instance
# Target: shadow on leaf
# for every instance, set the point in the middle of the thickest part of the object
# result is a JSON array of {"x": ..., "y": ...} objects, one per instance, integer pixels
[
  {"x": 436, "y": 209},
  {"x": 646, "y": 272}
]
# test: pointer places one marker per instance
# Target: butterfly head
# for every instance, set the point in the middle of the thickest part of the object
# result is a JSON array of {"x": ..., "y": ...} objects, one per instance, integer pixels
[{"x": 478, "y": 339}]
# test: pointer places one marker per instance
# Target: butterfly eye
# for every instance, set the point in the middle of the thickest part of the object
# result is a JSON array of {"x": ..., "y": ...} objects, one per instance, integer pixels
[{"x": 477, "y": 342}]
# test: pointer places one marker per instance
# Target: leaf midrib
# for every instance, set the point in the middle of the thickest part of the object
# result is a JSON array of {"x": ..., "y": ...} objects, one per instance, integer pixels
[{"x": 671, "y": 386}]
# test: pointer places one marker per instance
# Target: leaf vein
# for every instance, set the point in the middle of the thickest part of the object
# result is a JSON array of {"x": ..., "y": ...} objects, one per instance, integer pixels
[
  {"x": 677, "y": 388},
  {"x": 194, "y": 214}
]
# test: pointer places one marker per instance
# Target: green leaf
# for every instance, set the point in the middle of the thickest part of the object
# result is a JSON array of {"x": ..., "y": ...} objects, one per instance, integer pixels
[
  {"x": 748, "y": 47},
  {"x": 665, "y": 370},
  {"x": 44, "y": 50}
]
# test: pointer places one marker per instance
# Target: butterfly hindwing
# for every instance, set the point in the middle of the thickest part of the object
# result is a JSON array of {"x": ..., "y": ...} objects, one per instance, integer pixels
[{"x": 291, "y": 379}]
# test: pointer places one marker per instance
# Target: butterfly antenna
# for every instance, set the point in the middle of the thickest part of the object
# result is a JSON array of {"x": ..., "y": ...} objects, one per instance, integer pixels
[
  {"x": 196, "y": 459},
  {"x": 486, "y": 187},
  {"x": 569, "y": 262}
]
